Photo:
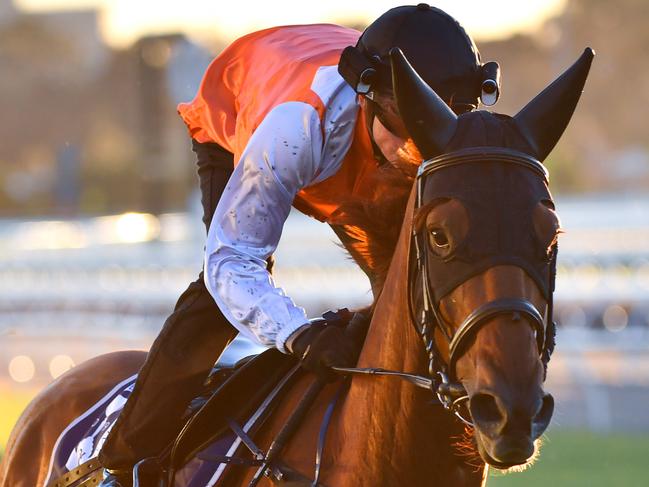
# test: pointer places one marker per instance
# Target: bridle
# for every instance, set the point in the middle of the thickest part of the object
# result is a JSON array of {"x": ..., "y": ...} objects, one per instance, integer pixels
[
  {"x": 449, "y": 391},
  {"x": 441, "y": 379}
]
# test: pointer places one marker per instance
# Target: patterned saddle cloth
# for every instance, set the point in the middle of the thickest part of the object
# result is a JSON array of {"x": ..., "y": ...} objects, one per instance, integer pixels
[{"x": 82, "y": 440}]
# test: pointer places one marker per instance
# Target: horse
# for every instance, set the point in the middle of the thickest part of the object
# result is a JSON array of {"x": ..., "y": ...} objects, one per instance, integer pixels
[{"x": 450, "y": 377}]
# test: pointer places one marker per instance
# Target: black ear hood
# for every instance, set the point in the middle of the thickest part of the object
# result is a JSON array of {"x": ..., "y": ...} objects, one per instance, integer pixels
[
  {"x": 429, "y": 120},
  {"x": 544, "y": 119},
  {"x": 535, "y": 129}
]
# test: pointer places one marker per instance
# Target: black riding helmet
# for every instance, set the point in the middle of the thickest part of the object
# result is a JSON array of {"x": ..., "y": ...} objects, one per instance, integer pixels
[{"x": 437, "y": 47}]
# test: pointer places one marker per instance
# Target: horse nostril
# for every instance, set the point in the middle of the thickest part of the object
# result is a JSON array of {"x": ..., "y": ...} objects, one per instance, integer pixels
[
  {"x": 542, "y": 418},
  {"x": 486, "y": 411}
]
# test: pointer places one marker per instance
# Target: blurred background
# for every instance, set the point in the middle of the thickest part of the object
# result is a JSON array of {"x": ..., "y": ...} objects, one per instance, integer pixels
[{"x": 100, "y": 227}]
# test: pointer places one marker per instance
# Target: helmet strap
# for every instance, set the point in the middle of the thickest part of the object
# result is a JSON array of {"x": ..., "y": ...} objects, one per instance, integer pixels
[{"x": 370, "y": 115}]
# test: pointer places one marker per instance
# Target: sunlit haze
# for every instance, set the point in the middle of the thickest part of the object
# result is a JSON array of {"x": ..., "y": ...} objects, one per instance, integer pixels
[{"x": 122, "y": 21}]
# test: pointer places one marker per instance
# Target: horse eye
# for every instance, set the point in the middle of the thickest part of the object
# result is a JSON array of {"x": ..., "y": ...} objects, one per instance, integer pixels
[{"x": 439, "y": 238}]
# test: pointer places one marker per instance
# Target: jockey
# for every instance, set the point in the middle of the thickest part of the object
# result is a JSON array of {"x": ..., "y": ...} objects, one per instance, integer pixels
[{"x": 289, "y": 116}]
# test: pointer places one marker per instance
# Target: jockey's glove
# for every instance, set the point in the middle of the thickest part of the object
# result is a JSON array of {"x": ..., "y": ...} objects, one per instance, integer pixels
[{"x": 336, "y": 342}]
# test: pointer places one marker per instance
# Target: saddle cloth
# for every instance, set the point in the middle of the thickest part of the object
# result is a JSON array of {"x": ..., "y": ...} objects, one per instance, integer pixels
[{"x": 83, "y": 438}]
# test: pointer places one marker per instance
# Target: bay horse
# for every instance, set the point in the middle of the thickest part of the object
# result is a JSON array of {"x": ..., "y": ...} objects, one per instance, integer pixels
[{"x": 464, "y": 309}]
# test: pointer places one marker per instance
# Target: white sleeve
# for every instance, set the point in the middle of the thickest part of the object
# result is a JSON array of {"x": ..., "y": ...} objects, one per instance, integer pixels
[{"x": 282, "y": 157}]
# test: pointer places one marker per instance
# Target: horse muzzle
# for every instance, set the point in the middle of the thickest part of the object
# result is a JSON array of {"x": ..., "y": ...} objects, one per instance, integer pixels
[{"x": 506, "y": 434}]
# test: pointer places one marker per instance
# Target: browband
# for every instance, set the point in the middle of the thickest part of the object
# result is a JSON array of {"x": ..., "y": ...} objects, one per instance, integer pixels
[{"x": 483, "y": 154}]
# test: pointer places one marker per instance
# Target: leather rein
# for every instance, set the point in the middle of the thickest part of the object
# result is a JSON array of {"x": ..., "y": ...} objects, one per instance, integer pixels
[{"x": 441, "y": 380}]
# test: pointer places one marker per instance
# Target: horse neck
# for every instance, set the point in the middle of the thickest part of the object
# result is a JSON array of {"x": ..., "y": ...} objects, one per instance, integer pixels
[{"x": 388, "y": 432}]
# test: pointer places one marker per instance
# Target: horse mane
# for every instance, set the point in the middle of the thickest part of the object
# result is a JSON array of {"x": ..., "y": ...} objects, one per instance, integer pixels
[{"x": 369, "y": 227}]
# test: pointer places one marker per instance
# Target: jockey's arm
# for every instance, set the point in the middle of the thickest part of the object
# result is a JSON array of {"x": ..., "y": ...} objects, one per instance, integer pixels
[{"x": 283, "y": 156}]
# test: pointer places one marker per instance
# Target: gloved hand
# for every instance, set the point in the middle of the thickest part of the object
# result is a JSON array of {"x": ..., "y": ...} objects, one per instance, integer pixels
[{"x": 331, "y": 344}]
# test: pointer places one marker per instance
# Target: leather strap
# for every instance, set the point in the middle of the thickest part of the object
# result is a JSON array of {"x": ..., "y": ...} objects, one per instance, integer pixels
[
  {"x": 481, "y": 154},
  {"x": 287, "y": 431},
  {"x": 322, "y": 435},
  {"x": 416, "y": 380},
  {"x": 73, "y": 476},
  {"x": 483, "y": 313}
]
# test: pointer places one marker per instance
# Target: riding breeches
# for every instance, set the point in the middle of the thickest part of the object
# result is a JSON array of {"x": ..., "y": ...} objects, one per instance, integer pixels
[{"x": 184, "y": 352}]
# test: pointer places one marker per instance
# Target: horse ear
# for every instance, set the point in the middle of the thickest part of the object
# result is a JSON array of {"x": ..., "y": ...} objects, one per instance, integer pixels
[
  {"x": 429, "y": 120},
  {"x": 543, "y": 120}
]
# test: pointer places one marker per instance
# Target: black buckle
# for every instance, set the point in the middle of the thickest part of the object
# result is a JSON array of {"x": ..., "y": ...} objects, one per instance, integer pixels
[{"x": 337, "y": 318}]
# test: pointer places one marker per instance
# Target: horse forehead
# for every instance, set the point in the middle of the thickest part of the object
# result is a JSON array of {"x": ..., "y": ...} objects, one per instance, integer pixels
[
  {"x": 487, "y": 129},
  {"x": 486, "y": 186}
]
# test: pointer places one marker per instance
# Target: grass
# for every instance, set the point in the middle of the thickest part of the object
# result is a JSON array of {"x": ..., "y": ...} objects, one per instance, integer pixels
[{"x": 583, "y": 459}]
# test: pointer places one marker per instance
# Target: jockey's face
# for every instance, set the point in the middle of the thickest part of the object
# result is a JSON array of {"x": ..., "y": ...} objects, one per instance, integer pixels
[{"x": 391, "y": 136}]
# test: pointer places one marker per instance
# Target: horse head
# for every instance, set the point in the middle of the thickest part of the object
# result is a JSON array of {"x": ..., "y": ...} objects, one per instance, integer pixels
[{"x": 485, "y": 241}]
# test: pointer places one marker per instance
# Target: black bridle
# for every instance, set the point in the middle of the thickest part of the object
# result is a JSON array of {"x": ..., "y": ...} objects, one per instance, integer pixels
[
  {"x": 441, "y": 378},
  {"x": 449, "y": 390}
]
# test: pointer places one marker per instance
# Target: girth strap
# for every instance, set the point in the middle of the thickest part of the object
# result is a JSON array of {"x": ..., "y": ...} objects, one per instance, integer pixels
[
  {"x": 92, "y": 466},
  {"x": 322, "y": 436}
]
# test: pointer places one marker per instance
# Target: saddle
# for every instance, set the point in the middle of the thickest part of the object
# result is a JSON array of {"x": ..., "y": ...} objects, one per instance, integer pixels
[
  {"x": 238, "y": 393},
  {"x": 232, "y": 395}
]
